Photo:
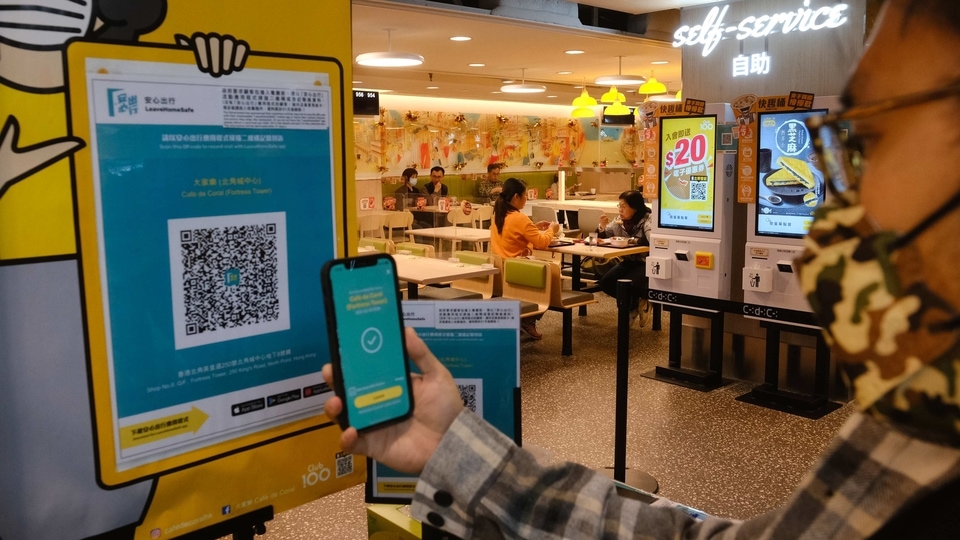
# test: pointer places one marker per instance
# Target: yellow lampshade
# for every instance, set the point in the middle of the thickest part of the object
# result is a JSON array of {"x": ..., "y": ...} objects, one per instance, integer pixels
[
  {"x": 584, "y": 100},
  {"x": 617, "y": 109},
  {"x": 652, "y": 86},
  {"x": 612, "y": 96},
  {"x": 680, "y": 94},
  {"x": 583, "y": 112}
]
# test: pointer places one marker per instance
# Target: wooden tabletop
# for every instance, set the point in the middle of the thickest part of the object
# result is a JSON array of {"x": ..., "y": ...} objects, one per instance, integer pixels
[
  {"x": 426, "y": 271},
  {"x": 583, "y": 250}
]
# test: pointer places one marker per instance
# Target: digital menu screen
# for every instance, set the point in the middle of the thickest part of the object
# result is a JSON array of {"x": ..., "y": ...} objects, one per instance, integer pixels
[
  {"x": 790, "y": 182},
  {"x": 687, "y": 172}
]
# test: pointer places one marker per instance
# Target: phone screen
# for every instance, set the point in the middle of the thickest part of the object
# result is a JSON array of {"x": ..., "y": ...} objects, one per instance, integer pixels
[{"x": 373, "y": 365}]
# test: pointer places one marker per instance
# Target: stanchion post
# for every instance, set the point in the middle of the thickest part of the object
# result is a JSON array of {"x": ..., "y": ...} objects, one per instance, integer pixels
[{"x": 623, "y": 368}]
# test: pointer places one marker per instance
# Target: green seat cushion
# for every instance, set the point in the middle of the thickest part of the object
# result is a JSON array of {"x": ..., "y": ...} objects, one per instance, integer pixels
[
  {"x": 419, "y": 250},
  {"x": 525, "y": 273},
  {"x": 473, "y": 257},
  {"x": 378, "y": 244}
]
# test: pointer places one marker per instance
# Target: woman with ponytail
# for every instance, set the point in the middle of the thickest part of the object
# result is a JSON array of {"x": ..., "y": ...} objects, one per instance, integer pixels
[{"x": 513, "y": 233}]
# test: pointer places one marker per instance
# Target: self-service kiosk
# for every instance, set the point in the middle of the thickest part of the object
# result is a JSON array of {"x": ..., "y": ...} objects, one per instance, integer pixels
[
  {"x": 790, "y": 187},
  {"x": 689, "y": 265}
]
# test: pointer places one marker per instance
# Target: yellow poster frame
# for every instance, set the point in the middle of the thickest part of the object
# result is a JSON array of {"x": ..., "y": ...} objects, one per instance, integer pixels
[{"x": 108, "y": 475}]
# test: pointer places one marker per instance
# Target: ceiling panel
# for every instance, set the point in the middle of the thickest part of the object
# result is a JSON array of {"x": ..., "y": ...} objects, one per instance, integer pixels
[{"x": 506, "y": 46}]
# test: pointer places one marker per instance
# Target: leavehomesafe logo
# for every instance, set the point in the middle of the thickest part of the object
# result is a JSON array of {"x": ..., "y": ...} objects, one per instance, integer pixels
[
  {"x": 121, "y": 103},
  {"x": 715, "y": 29}
]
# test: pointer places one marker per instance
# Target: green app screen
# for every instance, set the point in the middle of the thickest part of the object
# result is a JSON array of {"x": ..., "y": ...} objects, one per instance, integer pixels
[{"x": 371, "y": 349}]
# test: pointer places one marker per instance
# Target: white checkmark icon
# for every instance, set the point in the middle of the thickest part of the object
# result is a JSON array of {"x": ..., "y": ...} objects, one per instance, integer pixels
[{"x": 371, "y": 340}]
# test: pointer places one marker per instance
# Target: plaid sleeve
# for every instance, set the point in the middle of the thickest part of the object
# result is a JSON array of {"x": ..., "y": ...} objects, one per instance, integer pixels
[{"x": 479, "y": 484}]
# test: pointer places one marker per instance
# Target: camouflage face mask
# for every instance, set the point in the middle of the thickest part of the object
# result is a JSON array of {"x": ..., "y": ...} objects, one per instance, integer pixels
[{"x": 897, "y": 340}]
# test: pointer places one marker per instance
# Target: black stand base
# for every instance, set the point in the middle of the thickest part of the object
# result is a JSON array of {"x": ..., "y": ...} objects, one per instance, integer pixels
[
  {"x": 635, "y": 479},
  {"x": 703, "y": 381},
  {"x": 243, "y": 527},
  {"x": 813, "y": 407}
]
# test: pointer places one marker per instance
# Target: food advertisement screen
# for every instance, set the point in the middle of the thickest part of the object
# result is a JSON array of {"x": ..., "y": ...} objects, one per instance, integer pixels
[
  {"x": 790, "y": 185},
  {"x": 688, "y": 167}
]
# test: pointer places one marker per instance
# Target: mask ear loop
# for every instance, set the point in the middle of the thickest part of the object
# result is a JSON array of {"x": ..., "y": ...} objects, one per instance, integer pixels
[{"x": 936, "y": 216}]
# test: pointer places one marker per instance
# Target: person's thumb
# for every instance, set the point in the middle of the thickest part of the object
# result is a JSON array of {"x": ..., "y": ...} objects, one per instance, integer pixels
[{"x": 420, "y": 354}]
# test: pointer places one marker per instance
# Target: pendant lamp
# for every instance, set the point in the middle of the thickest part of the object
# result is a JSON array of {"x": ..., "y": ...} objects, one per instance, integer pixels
[
  {"x": 523, "y": 87},
  {"x": 389, "y": 58},
  {"x": 584, "y": 100},
  {"x": 652, "y": 86},
  {"x": 620, "y": 78},
  {"x": 617, "y": 109},
  {"x": 583, "y": 112},
  {"x": 612, "y": 96}
]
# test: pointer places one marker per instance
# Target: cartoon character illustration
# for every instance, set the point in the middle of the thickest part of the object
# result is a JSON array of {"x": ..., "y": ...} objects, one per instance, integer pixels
[{"x": 37, "y": 233}]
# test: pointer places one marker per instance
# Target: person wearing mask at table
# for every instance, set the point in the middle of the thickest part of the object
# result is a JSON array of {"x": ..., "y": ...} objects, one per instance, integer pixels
[
  {"x": 880, "y": 270},
  {"x": 490, "y": 186},
  {"x": 633, "y": 222},
  {"x": 436, "y": 185},
  {"x": 513, "y": 233},
  {"x": 408, "y": 190}
]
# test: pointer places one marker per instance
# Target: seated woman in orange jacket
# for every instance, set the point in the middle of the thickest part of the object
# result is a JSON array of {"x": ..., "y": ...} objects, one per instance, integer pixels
[{"x": 513, "y": 233}]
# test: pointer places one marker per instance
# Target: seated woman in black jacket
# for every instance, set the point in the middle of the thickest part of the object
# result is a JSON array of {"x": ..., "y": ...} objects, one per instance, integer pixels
[{"x": 633, "y": 222}]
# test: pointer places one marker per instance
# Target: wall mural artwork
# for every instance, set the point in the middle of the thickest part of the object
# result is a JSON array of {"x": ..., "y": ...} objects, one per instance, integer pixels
[{"x": 464, "y": 142}]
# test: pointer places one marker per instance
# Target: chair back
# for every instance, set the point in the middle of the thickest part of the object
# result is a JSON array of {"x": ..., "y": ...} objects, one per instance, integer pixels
[
  {"x": 382, "y": 245},
  {"x": 589, "y": 220},
  {"x": 528, "y": 280},
  {"x": 456, "y": 217},
  {"x": 542, "y": 213},
  {"x": 482, "y": 213},
  {"x": 420, "y": 250},
  {"x": 488, "y": 286},
  {"x": 397, "y": 220},
  {"x": 370, "y": 225}
]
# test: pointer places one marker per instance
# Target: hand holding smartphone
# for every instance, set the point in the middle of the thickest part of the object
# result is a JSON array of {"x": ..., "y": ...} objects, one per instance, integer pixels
[{"x": 367, "y": 345}]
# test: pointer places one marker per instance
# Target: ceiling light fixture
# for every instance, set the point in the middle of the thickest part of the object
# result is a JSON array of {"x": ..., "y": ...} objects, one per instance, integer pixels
[
  {"x": 461, "y": 38},
  {"x": 620, "y": 78},
  {"x": 523, "y": 87},
  {"x": 476, "y": 65},
  {"x": 389, "y": 58},
  {"x": 652, "y": 86},
  {"x": 583, "y": 112},
  {"x": 617, "y": 109},
  {"x": 573, "y": 51},
  {"x": 659, "y": 62},
  {"x": 564, "y": 72},
  {"x": 612, "y": 96},
  {"x": 584, "y": 100}
]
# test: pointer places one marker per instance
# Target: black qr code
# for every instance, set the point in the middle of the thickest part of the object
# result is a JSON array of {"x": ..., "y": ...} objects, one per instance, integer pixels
[
  {"x": 229, "y": 277},
  {"x": 468, "y": 393},
  {"x": 344, "y": 465},
  {"x": 698, "y": 191}
]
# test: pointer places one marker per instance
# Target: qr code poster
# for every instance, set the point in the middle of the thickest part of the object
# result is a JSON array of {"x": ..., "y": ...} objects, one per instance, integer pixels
[{"x": 228, "y": 276}]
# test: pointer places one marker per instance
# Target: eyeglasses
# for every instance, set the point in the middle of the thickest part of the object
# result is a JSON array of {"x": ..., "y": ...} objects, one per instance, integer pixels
[{"x": 840, "y": 151}]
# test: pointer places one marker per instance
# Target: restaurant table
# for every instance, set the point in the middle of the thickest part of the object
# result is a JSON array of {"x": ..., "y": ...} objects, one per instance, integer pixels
[
  {"x": 454, "y": 234},
  {"x": 418, "y": 271},
  {"x": 580, "y": 249}
]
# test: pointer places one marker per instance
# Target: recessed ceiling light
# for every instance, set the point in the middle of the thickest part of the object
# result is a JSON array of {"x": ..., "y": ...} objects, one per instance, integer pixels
[
  {"x": 496, "y": 92},
  {"x": 357, "y": 82},
  {"x": 507, "y": 81},
  {"x": 578, "y": 87},
  {"x": 551, "y": 96},
  {"x": 573, "y": 51},
  {"x": 432, "y": 87},
  {"x": 660, "y": 62},
  {"x": 476, "y": 65},
  {"x": 460, "y": 38},
  {"x": 564, "y": 72}
]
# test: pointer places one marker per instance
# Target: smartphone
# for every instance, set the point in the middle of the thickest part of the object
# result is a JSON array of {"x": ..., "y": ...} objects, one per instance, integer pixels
[{"x": 368, "y": 351}]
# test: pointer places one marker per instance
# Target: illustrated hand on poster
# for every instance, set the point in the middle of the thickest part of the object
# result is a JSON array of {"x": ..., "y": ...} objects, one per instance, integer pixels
[
  {"x": 17, "y": 163},
  {"x": 217, "y": 55}
]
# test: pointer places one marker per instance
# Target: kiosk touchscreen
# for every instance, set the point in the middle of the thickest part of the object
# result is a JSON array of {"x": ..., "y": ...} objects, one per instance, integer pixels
[
  {"x": 790, "y": 187},
  {"x": 690, "y": 242}
]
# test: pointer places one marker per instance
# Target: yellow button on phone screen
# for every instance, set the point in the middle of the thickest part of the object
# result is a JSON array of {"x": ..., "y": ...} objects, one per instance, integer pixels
[{"x": 373, "y": 398}]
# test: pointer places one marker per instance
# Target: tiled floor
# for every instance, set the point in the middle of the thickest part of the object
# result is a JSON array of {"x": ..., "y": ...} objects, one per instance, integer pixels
[{"x": 707, "y": 450}]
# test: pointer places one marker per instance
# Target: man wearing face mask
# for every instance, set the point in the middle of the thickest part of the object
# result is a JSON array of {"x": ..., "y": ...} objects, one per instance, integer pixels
[{"x": 879, "y": 271}]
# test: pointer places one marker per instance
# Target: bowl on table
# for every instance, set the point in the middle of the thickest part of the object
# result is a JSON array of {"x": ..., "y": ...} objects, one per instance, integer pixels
[{"x": 619, "y": 241}]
